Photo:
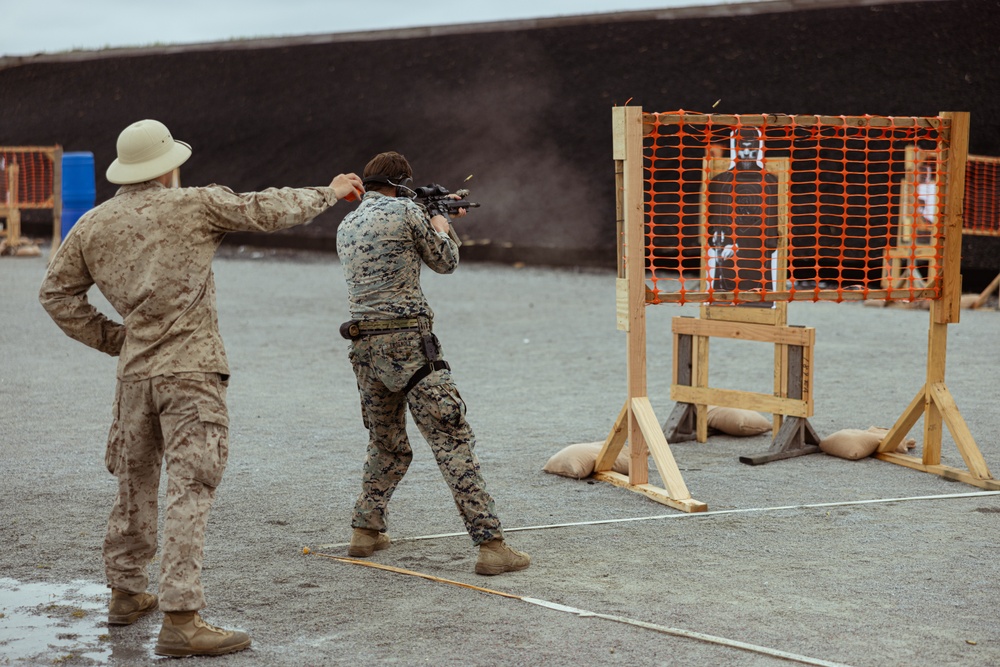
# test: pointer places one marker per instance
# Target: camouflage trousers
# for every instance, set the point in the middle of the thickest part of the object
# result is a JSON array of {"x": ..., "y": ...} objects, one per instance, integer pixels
[
  {"x": 383, "y": 365},
  {"x": 181, "y": 420}
]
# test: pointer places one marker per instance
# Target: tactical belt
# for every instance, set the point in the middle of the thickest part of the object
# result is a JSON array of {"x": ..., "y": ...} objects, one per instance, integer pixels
[
  {"x": 388, "y": 325},
  {"x": 361, "y": 328}
]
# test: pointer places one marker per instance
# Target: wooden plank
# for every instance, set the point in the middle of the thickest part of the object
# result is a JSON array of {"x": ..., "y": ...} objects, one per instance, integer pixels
[
  {"x": 700, "y": 372},
  {"x": 980, "y": 232},
  {"x": 614, "y": 443},
  {"x": 794, "y": 371},
  {"x": 780, "y": 383},
  {"x": 959, "y": 475},
  {"x": 960, "y": 431},
  {"x": 801, "y": 295},
  {"x": 913, "y": 252},
  {"x": 771, "y": 316},
  {"x": 746, "y": 400},
  {"x": 709, "y": 167},
  {"x": 954, "y": 197},
  {"x": 658, "y": 447},
  {"x": 937, "y": 347},
  {"x": 937, "y": 350},
  {"x": 13, "y": 231},
  {"x": 991, "y": 159},
  {"x": 57, "y": 200},
  {"x": 901, "y": 459},
  {"x": 947, "y": 472},
  {"x": 629, "y": 150},
  {"x": 652, "y": 492},
  {"x": 619, "y": 150},
  {"x": 620, "y": 216},
  {"x": 48, "y": 150},
  {"x": 905, "y": 422},
  {"x": 683, "y": 359},
  {"x": 781, "y": 120},
  {"x": 682, "y": 424},
  {"x": 701, "y": 422},
  {"x": 621, "y": 305},
  {"x": 808, "y": 355},
  {"x": 763, "y": 333}
]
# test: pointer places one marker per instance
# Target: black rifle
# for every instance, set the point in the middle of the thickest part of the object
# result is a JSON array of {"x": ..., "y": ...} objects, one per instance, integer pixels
[{"x": 438, "y": 201}]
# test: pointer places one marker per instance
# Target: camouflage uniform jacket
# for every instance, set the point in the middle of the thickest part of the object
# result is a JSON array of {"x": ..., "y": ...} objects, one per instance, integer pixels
[
  {"x": 149, "y": 250},
  {"x": 381, "y": 245}
]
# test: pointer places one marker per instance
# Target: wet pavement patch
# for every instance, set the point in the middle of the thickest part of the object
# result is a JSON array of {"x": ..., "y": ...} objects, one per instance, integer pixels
[{"x": 42, "y": 623}]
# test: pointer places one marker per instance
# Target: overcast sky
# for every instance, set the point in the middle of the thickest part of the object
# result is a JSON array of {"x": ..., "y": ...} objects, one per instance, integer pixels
[{"x": 50, "y": 26}]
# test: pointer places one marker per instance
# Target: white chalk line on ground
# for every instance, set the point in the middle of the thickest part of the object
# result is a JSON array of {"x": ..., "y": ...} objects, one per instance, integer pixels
[
  {"x": 685, "y": 515},
  {"x": 690, "y": 634},
  {"x": 676, "y": 632}
]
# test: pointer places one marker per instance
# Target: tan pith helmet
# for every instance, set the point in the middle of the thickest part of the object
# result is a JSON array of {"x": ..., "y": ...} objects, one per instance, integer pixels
[{"x": 145, "y": 151}]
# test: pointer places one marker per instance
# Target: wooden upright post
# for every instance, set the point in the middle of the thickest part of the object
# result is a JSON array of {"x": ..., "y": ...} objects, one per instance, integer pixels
[
  {"x": 635, "y": 279},
  {"x": 13, "y": 210},
  {"x": 636, "y": 421},
  {"x": 934, "y": 402}
]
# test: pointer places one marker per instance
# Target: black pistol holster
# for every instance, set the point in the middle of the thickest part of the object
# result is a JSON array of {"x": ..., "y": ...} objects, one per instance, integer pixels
[
  {"x": 432, "y": 350},
  {"x": 355, "y": 329}
]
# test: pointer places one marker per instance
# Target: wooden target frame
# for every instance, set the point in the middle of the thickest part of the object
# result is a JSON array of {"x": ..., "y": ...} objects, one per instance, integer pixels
[
  {"x": 636, "y": 422},
  {"x": 913, "y": 255},
  {"x": 982, "y": 213},
  {"x": 791, "y": 403},
  {"x": 12, "y": 204}
]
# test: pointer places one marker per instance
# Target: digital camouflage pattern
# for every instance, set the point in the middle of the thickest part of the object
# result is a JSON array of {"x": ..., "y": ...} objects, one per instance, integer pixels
[
  {"x": 149, "y": 250},
  {"x": 381, "y": 246}
]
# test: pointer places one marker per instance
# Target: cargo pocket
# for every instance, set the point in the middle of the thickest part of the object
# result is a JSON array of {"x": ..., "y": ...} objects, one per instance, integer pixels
[
  {"x": 116, "y": 442},
  {"x": 442, "y": 403},
  {"x": 396, "y": 358},
  {"x": 215, "y": 450}
]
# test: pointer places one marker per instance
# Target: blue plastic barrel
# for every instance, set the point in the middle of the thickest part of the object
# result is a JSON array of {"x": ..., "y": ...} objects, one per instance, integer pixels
[{"x": 79, "y": 190}]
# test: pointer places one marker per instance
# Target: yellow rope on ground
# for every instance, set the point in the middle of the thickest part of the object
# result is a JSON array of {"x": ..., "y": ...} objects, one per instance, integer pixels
[
  {"x": 676, "y": 632},
  {"x": 412, "y": 573}
]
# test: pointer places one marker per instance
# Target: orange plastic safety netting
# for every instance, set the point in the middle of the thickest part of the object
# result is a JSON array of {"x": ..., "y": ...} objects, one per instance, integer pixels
[
  {"x": 982, "y": 196},
  {"x": 763, "y": 208},
  {"x": 27, "y": 177}
]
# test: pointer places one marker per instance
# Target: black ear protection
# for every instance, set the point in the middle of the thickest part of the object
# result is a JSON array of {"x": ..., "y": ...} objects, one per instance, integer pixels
[{"x": 401, "y": 183}]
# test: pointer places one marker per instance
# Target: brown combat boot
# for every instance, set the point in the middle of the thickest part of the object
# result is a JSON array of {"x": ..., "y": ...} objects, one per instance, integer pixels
[
  {"x": 365, "y": 542},
  {"x": 184, "y": 633},
  {"x": 127, "y": 608},
  {"x": 495, "y": 557}
]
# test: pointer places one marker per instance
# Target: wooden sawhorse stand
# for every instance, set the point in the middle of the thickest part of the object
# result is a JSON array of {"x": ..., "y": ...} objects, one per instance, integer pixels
[
  {"x": 934, "y": 402},
  {"x": 936, "y": 405},
  {"x": 791, "y": 404}
]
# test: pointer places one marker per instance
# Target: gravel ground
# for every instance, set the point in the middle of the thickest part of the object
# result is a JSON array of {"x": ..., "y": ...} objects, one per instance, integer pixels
[{"x": 815, "y": 558}]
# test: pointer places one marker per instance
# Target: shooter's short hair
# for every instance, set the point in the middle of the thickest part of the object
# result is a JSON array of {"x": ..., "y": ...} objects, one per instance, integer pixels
[{"x": 391, "y": 165}]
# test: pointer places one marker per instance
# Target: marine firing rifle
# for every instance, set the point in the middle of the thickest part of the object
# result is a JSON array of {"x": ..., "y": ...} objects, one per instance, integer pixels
[{"x": 437, "y": 200}]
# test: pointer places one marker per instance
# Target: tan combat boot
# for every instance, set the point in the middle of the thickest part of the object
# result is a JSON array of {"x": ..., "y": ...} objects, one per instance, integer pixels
[
  {"x": 184, "y": 633},
  {"x": 127, "y": 608},
  {"x": 365, "y": 542},
  {"x": 495, "y": 557}
]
